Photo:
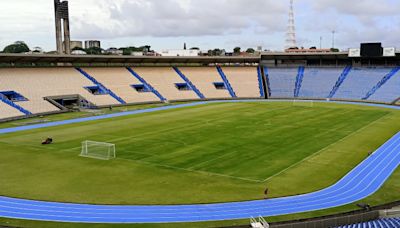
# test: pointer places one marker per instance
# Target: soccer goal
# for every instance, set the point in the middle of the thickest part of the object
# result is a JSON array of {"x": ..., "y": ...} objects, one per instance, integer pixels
[
  {"x": 98, "y": 150},
  {"x": 303, "y": 103}
]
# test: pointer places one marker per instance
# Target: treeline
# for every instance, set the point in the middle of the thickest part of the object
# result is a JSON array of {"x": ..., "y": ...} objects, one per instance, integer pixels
[
  {"x": 17, "y": 47},
  {"x": 236, "y": 51},
  {"x": 125, "y": 50},
  {"x": 22, "y": 47}
]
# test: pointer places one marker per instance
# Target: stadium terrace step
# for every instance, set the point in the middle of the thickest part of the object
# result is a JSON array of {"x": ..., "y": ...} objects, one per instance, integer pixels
[
  {"x": 299, "y": 81},
  {"x": 282, "y": 81},
  {"x": 385, "y": 79},
  {"x": 397, "y": 101},
  {"x": 340, "y": 81},
  {"x": 260, "y": 82},
  {"x": 226, "y": 81},
  {"x": 267, "y": 80},
  {"x": 12, "y": 104},
  {"x": 384, "y": 223},
  {"x": 101, "y": 86},
  {"x": 144, "y": 82},
  {"x": 191, "y": 85}
]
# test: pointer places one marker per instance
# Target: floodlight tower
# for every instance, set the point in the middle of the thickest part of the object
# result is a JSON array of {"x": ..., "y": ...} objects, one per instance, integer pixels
[{"x": 291, "y": 29}]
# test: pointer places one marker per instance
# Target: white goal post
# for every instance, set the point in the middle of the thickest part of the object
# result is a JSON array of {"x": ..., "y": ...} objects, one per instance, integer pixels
[{"x": 98, "y": 150}]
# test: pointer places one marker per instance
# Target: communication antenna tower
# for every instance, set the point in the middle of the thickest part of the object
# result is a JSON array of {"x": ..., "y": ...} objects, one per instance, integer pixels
[{"x": 291, "y": 29}]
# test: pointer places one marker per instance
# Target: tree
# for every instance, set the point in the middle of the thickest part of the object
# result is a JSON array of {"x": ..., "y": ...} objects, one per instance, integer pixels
[
  {"x": 17, "y": 47},
  {"x": 93, "y": 51},
  {"x": 334, "y": 50},
  {"x": 237, "y": 50},
  {"x": 126, "y": 51},
  {"x": 147, "y": 48},
  {"x": 37, "y": 50},
  {"x": 194, "y": 48},
  {"x": 129, "y": 50},
  {"x": 78, "y": 49},
  {"x": 251, "y": 50}
]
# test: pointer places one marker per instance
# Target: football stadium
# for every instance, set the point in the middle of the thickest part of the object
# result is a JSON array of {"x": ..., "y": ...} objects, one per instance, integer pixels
[{"x": 281, "y": 139}]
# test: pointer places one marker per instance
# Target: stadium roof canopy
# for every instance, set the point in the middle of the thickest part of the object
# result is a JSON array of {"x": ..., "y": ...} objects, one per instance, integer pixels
[
  {"x": 304, "y": 56},
  {"x": 46, "y": 58},
  {"x": 8, "y": 59}
]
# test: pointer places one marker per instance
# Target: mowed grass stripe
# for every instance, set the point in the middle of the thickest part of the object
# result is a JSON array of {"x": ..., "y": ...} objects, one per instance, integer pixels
[
  {"x": 227, "y": 158},
  {"x": 259, "y": 160},
  {"x": 209, "y": 153},
  {"x": 214, "y": 141},
  {"x": 234, "y": 142}
]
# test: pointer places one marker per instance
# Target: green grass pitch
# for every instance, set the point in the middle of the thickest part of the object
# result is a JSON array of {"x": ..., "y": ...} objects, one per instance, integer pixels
[{"x": 209, "y": 153}]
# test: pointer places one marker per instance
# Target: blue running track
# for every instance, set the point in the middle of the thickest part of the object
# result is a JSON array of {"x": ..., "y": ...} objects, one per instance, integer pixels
[{"x": 361, "y": 182}]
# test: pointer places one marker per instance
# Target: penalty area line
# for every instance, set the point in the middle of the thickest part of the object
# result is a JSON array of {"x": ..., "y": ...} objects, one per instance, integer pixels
[
  {"x": 192, "y": 170},
  {"x": 325, "y": 148}
]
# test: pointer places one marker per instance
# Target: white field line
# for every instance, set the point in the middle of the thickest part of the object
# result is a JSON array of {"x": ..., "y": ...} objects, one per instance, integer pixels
[
  {"x": 187, "y": 126},
  {"x": 161, "y": 165},
  {"x": 133, "y": 152},
  {"x": 204, "y": 172},
  {"x": 323, "y": 149},
  {"x": 226, "y": 212},
  {"x": 191, "y": 170},
  {"x": 152, "y": 133},
  {"x": 210, "y": 160},
  {"x": 40, "y": 148}
]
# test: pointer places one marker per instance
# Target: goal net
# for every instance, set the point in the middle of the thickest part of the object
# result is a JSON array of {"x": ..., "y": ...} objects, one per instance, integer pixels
[
  {"x": 98, "y": 150},
  {"x": 303, "y": 103}
]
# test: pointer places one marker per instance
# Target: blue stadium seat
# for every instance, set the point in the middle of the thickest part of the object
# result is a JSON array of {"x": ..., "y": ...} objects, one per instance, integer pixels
[
  {"x": 359, "y": 82},
  {"x": 389, "y": 91},
  {"x": 9, "y": 102},
  {"x": 102, "y": 88},
  {"x": 190, "y": 84},
  {"x": 379, "y": 223},
  {"x": 282, "y": 81},
  {"x": 226, "y": 81},
  {"x": 299, "y": 81},
  {"x": 318, "y": 82}
]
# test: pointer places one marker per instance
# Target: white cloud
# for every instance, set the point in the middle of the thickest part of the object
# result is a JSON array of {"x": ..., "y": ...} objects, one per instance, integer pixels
[
  {"x": 208, "y": 22},
  {"x": 186, "y": 18},
  {"x": 362, "y": 8}
]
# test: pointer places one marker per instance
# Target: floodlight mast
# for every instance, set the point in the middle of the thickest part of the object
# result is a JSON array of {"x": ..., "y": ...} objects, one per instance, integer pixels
[{"x": 291, "y": 29}]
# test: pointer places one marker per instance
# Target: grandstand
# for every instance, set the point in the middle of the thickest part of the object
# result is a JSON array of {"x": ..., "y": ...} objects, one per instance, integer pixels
[
  {"x": 282, "y": 82},
  {"x": 243, "y": 80},
  {"x": 205, "y": 78},
  {"x": 359, "y": 82},
  {"x": 127, "y": 137},
  {"x": 35, "y": 84},
  {"x": 379, "y": 223},
  {"x": 7, "y": 111},
  {"x": 122, "y": 83},
  {"x": 25, "y": 90},
  {"x": 167, "y": 82},
  {"x": 317, "y": 82},
  {"x": 389, "y": 91}
]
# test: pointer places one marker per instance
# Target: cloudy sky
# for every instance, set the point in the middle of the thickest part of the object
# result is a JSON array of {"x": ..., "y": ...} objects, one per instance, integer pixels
[{"x": 167, "y": 24}]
